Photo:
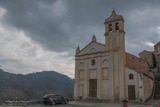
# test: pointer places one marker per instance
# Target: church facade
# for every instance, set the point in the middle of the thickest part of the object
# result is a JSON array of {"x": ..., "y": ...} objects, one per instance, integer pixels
[{"x": 107, "y": 72}]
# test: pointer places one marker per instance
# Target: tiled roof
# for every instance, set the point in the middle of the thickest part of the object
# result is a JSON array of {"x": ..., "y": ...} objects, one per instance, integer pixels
[{"x": 138, "y": 64}]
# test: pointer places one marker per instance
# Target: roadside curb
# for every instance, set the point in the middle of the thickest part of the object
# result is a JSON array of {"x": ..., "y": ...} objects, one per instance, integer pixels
[
  {"x": 109, "y": 104},
  {"x": 94, "y": 104}
]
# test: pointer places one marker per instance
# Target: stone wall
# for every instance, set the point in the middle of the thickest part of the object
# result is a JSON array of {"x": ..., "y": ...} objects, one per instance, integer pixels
[{"x": 148, "y": 87}]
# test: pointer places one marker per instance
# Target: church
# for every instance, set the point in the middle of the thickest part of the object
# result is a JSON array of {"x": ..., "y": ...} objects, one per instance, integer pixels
[{"x": 107, "y": 72}]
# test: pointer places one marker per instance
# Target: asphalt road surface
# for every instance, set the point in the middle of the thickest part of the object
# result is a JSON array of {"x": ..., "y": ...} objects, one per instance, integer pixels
[
  {"x": 42, "y": 105},
  {"x": 84, "y": 104},
  {"x": 60, "y": 105},
  {"x": 71, "y": 105}
]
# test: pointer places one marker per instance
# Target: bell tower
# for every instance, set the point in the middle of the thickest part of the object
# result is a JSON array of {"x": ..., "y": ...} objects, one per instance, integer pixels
[
  {"x": 114, "y": 31},
  {"x": 115, "y": 46}
]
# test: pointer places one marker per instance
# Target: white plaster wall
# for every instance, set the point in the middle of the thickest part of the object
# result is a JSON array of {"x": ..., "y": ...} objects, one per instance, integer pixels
[
  {"x": 110, "y": 42},
  {"x": 111, "y": 87},
  {"x": 81, "y": 91},
  {"x": 140, "y": 87},
  {"x": 105, "y": 72},
  {"x": 133, "y": 81},
  {"x": 76, "y": 81},
  {"x": 81, "y": 75},
  {"x": 93, "y": 74},
  {"x": 116, "y": 74},
  {"x": 86, "y": 83},
  {"x": 99, "y": 78},
  {"x": 106, "y": 89},
  {"x": 105, "y": 61},
  {"x": 81, "y": 82}
]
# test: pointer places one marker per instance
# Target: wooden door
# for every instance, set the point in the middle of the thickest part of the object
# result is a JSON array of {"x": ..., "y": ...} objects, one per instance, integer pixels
[
  {"x": 93, "y": 88},
  {"x": 131, "y": 92}
]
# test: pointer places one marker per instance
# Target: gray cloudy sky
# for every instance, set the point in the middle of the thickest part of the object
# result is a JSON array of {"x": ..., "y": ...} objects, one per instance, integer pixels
[{"x": 42, "y": 35}]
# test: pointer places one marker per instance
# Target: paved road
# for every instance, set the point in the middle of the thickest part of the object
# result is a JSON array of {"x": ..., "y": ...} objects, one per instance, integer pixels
[
  {"x": 71, "y": 105},
  {"x": 41, "y": 105},
  {"x": 84, "y": 104}
]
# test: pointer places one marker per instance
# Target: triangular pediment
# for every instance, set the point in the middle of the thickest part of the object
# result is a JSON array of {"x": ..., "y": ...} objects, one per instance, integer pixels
[{"x": 92, "y": 47}]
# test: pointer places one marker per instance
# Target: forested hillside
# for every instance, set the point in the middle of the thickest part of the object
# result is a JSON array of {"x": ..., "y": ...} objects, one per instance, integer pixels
[{"x": 34, "y": 85}]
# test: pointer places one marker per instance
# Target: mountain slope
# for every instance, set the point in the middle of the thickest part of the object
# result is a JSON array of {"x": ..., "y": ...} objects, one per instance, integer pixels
[{"x": 34, "y": 85}]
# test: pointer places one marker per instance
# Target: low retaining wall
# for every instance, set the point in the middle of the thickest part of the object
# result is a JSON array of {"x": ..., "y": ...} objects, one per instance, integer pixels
[{"x": 19, "y": 102}]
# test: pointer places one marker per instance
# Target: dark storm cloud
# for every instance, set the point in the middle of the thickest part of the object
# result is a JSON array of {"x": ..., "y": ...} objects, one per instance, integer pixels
[
  {"x": 40, "y": 35},
  {"x": 74, "y": 22},
  {"x": 37, "y": 21}
]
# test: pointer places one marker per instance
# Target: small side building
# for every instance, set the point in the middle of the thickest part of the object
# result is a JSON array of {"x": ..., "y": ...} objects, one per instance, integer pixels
[{"x": 139, "y": 76}]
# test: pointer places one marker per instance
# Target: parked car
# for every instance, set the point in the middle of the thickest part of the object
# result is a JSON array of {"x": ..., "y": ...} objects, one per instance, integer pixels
[{"x": 54, "y": 99}]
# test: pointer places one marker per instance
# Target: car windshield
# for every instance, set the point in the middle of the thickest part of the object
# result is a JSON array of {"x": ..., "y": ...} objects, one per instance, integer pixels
[{"x": 47, "y": 95}]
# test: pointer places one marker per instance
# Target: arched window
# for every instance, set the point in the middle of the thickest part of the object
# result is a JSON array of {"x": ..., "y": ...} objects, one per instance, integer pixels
[
  {"x": 105, "y": 63},
  {"x": 81, "y": 65},
  {"x": 131, "y": 77},
  {"x": 117, "y": 26},
  {"x": 110, "y": 27}
]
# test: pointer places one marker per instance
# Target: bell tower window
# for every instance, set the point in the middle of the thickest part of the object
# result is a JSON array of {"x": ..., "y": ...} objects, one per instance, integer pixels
[
  {"x": 117, "y": 26},
  {"x": 110, "y": 27}
]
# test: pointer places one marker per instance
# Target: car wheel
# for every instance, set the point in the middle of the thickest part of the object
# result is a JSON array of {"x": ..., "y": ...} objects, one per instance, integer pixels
[
  {"x": 53, "y": 103},
  {"x": 66, "y": 102},
  {"x": 45, "y": 103}
]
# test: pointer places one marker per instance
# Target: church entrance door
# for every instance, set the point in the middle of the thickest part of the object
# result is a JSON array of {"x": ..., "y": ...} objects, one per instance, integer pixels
[
  {"x": 131, "y": 92},
  {"x": 93, "y": 88}
]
